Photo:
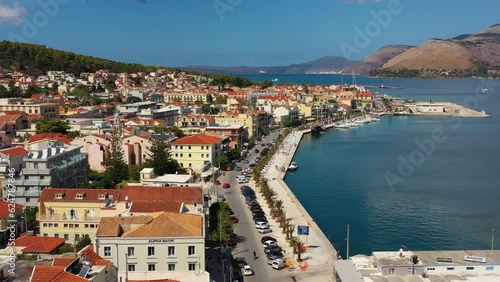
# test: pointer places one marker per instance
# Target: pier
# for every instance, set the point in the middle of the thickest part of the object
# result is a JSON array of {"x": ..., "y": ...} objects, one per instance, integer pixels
[{"x": 320, "y": 254}]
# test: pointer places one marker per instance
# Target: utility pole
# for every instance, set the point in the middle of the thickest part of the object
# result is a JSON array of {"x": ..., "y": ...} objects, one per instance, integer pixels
[
  {"x": 493, "y": 239},
  {"x": 348, "y": 234}
]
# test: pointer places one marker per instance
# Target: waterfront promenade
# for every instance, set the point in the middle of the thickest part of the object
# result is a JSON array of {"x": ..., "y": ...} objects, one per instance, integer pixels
[{"x": 320, "y": 253}]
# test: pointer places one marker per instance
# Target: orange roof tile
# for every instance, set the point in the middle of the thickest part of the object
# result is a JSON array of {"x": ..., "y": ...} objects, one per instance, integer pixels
[
  {"x": 14, "y": 151},
  {"x": 69, "y": 194},
  {"x": 151, "y": 207},
  {"x": 5, "y": 206},
  {"x": 45, "y": 273},
  {"x": 62, "y": 261},
  {"x": 198, "y": 139},
  {"x": 37, "y": 244},
  {"x": 51, "y": 136},
  {"x": 155, "y": 193}
]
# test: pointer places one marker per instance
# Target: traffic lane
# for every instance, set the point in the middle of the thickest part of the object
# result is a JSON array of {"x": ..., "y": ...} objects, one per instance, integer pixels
[{"x": 249, "y": 240}]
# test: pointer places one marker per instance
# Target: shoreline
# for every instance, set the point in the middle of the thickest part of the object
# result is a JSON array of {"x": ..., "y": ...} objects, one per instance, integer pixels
[{"x": 320, "y": 255}]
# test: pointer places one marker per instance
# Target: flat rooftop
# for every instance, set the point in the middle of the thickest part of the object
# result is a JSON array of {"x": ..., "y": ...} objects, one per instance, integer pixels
[
  {"x": 457, "y": 257},
  {"x": 171, "y": 178}
]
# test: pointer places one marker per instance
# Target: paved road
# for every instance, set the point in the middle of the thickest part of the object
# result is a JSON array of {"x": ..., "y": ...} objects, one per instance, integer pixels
[{"x": 249, "y": 238}]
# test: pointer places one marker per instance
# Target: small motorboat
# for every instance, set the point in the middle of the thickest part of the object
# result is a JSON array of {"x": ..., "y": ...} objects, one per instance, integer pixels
[{"x": 293, "y": 166}]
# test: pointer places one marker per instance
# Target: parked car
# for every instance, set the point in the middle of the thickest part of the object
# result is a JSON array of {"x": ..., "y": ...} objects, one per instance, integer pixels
[
  {"x": 269, "y": 243},
  {"x": 275, "y": 254},
  {"x": 217, "y": 182},
  {"x": 278, "y": 264},
  {"x": 258, "y": 213},
  {"x": 261, "y": 225},
  {"x": 243, "y": 180},
  {"x": 247, "y": 270},
  {"x": 231, "y": 242},
  {"x": 221, "y": 198},
  {"x": 267, "y": 238},
  {"x": 260, "y": 218},
  {"x": 265, "y": 230},
  {"x": 241, "y": 261},
  {"x": 273, "y": 249},
  {"x": 256, "y": 150},
  {"x": 234, "y": 219},
  {"x": 226, "y": 185},
  {"x": 272, "y": 258},
  {"x": 238, "y": 168}
]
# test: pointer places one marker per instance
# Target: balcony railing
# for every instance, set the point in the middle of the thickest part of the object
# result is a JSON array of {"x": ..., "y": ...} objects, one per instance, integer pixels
[{"x": 58, "y": 217}]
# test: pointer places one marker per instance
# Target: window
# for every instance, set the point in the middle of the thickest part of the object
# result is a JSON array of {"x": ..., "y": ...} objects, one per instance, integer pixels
[
  {"x": 65, "y": 225},
  {"x": 450, "y": 268},
  {"x": 131, "y": 267},
  {"x": 45, "y": 225},
  {"x": 189, "y": 155},
  {"x": 102, "y": 197},
  {"x": 45, "y": 235},
  {"x": 490, "y": 268},
  {"x": 56, "y": 235},
  {"x": 431, "y": 268},
  {"x": 56, "y": 225},
  {"x": 130, "y": 251},
  {"x": 71, "y": 225},
  {"x": 171, "y": 251},
  {"x": 469, "y": 268},
  {"x": 51, "y": 225},
  {"x": 79, "y": 196},
  {"x": 85, "y": 226},
  {"x": 191, "y": 250},
  {"x": 391, "y": 270},
  {"x": 151, "y": 251},
  {"x": 171, "y": 267},
  {"x": 202, "y": 155},
  {"x": 66, "y": 237},
  {"x": 107, "y": 251},
  {"x": 58, "y": 196},
  {"x": 189, "y": 147},
  {"x": 77, "y": 238},
  {"x": 192, "y": 266},
  {"x": 151, "y": 267}
]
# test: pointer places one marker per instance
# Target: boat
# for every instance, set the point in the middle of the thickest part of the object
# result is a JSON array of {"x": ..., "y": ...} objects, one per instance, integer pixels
[
  {"x": 483, "y": 112},
  {"x": 383, "y": 86},
  {"x": 293, "y": 166},
  {"x": 484, "y": 90},
  {"x": 316, "y": 129},
  {"x": 275, "y": 80},
  {"x": 262, "y": 71}
]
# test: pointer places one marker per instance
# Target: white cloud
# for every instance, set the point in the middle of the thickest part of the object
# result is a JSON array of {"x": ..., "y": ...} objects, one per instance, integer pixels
[{"x": 12, "y": 15}]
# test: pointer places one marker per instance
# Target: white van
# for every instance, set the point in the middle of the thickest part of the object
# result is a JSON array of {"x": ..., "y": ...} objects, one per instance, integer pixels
[{"x": 278, "y": 264}]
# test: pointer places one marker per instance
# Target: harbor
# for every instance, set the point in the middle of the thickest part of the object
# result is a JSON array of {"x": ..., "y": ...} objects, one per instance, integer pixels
[{"x": 319, "y": 254}]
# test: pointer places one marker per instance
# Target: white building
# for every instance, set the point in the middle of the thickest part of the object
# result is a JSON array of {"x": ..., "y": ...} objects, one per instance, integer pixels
[
  {"x": 435, "y": 266},
  {"x": 163, "y": 246}
]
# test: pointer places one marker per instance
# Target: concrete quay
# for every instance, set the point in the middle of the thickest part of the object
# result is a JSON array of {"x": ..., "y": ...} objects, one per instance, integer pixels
[{"x": 320, "y": 254}]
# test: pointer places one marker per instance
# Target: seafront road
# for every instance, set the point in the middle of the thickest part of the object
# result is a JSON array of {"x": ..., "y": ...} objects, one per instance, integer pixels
[{"x": 320, "y": 253}]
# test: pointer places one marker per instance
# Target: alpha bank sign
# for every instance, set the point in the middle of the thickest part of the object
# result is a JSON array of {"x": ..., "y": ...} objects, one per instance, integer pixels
[{"x": 160, "y": 241}]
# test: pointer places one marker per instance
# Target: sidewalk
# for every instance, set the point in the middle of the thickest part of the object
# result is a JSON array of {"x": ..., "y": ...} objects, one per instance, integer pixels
[{"x": 320, "y": 253}]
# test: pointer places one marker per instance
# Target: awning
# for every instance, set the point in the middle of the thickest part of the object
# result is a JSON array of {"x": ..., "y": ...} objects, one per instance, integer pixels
[{"x": 210, "y": 172}]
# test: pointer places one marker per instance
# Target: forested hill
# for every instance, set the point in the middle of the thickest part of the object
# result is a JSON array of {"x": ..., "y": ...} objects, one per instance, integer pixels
[{"x": 38, "y": 59}]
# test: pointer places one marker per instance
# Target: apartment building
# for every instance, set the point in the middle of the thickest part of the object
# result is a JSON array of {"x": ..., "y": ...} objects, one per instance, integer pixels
[
  {"x": 51, "y": 167},
  {"x": 197, "y": 151},
  {"x": 45, "y": 110},
  {"x": 165, "y": 245}
]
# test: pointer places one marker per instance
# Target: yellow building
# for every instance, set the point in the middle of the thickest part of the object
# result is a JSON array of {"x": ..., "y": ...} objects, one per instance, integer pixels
[
  {"x": 305, "y": 109},
  {"x": 228, "y": 118},
  {"x": 70, "y": 213},
  {"x": 197, "y": 151},
  {"x": 186, "y": 97}
]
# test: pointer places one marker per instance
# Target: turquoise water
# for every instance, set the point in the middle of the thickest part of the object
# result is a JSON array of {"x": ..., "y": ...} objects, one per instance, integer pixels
[{"x": 451, "y": 199}]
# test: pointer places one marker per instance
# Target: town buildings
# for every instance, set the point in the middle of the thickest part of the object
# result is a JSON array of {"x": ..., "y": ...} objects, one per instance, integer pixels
[{"x": 197, "y": 152}]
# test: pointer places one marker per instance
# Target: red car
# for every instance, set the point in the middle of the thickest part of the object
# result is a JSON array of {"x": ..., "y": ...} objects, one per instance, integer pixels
[
  {"x": 226, "y": 185},
  {"x": 234, "y": 219},
  {"x": 231, "y": 242}
]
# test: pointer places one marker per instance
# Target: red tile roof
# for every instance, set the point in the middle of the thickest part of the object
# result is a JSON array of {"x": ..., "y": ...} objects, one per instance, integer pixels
[
  {"x": 45, "y": 273},
  {"x": 50, "y": 136},
  {"x": 14, "y": 151},
  {"x": 69, "y": 194},
  {"x": 151, "y": 207},
  {"x": 4, "y": 208},
  {"x": 198, "y": 139},
  {"x": 154, "y": 193},
  {"x": 62, "y": 261},
  {"x": 38, "y": 244},
  {"x": 90, "y": 255}
]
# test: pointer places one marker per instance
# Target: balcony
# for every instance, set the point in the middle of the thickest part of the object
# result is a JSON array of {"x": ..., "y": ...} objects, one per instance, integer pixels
[{"x": 58, "y": 217}]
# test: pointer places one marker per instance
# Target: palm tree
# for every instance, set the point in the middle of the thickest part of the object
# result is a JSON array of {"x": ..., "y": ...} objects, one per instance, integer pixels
[
  {"x": 289, "y": 231},
  {"x": 298, "y": 246},
  {"x": 282, "y": 218}
]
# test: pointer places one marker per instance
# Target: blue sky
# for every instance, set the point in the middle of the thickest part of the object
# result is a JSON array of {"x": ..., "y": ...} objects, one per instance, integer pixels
[{"x": 237, "y": 32}]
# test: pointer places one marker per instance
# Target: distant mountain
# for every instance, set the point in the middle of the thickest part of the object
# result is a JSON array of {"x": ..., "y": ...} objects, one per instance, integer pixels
[
  {"x": 328, "y": 64},
  {"x": 465, "y": 55},
  {"x": 379, "y": 58}
]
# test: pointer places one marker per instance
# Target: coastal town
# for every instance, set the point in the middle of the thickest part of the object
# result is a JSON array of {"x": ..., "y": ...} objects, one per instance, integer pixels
[{"x": 175, "y": 176}]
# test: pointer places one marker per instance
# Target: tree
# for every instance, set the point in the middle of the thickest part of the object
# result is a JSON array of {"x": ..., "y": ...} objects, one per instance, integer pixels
[
  {"x": 134, "y": 173},
  {"x": 32, "y": 89},
  {"x": 83, "y": 242},
  {"x": 52, "y": 125},
  {"x": 116, "y": 168},
  {"x": 234, "y": 154},
  {"x": 160, "y": 159},
  {"x": 73, "y": 134},
  {"x": 222, "y": 160},
  {"x": 132, "y": 99},
  {"x": 266, "y": 84}
]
